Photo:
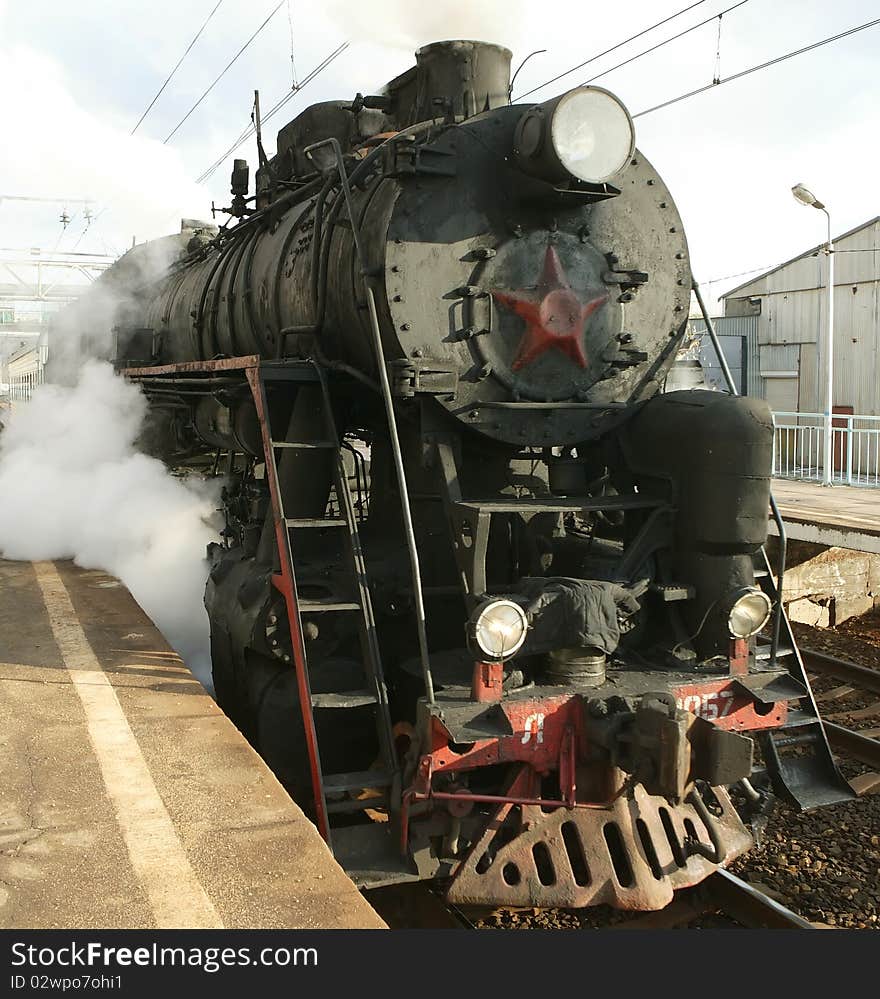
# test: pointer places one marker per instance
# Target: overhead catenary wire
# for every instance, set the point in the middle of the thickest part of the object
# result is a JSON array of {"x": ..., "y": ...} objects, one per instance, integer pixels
[
  {"x": 763, "y": 65},
  {"x": 226, "y": 68},
  {"x": 666, "y": 41},
  {"x": 613, "y": 48},
  {"x": 279, "y": 104},
  {"x": 293, "y": 81},
  {"x": 730, "y": 277},
  {"x": 168, "y": 78}
]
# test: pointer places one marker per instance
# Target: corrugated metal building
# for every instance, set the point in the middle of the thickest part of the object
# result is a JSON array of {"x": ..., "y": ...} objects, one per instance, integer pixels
[
  {"x": 789, "y": 306},
  {"x": 739, "y": 344}
]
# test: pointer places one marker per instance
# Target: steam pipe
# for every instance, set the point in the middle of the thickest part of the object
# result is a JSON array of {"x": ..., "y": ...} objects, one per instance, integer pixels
[
  {"x": 777, "y": 516},
  {"x": 391, "y": 418}
]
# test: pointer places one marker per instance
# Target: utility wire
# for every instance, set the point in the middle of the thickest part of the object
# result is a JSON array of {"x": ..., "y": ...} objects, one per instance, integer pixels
[
  {"x": 730, "y": 277},
  {"x": 226, "y": 68},
  {"x": 292, "y": 61},
  {"x": 660, "y": 45},
  {"x": 763, "y": 65},
  {"x": 251, "y": 130},
  {"x": 626, "y": 41},
  {"x": 177, "y": 67}
]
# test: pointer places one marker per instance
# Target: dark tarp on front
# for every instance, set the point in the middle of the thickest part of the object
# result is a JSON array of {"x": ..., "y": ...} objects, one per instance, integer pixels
[{"x": 566, "y": 613}]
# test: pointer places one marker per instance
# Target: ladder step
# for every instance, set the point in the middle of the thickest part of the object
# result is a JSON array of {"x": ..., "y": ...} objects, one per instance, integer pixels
[
  {"x": 305, "y": 444},
  {"x": 344, "y": 699},
  {"x": 327, "y": 605},
  {"x": 314, "y": 522},
  {"x": 357, "y": 804},
  {"x": 356, "y": 781}
]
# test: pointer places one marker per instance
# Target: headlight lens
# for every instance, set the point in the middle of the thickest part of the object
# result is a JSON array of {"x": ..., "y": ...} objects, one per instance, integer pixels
[
  {"x": 586, "y": 134},
  {"x": 592, "y": 133},
  {"x": 498, "y": 629},
  {"x": 749, "y": 612}
]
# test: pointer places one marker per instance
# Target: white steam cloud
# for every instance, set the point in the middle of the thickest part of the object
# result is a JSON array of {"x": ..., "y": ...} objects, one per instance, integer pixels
[
  {"x": 408, "y": 24},
  {"x": 73, "y": 485}
]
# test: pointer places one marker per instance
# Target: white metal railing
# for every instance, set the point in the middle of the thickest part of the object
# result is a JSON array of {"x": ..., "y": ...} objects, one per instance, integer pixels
[
  {"x": 798, "y": 448},
  {"x": 22, "y": 385}
]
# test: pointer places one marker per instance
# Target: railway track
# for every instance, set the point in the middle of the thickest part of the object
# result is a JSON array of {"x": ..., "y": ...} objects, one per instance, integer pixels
[
  {"x": 418, "y": 906},
  {"x": 854, "y": 743}
]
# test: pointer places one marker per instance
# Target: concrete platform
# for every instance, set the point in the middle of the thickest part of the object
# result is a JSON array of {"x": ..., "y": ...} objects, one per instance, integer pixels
[
  {"x": 837, "y": 516},
  {"x": 127, "y": 798}
]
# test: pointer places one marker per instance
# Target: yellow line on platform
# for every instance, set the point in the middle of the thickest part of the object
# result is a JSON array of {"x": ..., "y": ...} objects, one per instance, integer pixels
[{"x": 176, "y": 896}]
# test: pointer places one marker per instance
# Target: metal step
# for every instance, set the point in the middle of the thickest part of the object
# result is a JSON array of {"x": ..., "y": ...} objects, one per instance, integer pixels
[
  {"x": 807, "y": 777},
  {"x": 344, "y": 699},
  {"x": 798, "y": 757},
  {"x": 328, "y": 605},
  {"x": 304, "y": 445},
  {"x": 314, "y": 522},
  {"x": 370, "y": 855},
  {"x": 763, "y": 652},
  {"x": 334, "y": 783},
  {"x": 797, "y": 719},
  {"x": 348, "y": 805}
]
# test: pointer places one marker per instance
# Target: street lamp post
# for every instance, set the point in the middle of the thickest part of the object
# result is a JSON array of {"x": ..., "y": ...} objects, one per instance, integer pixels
[{"x": 806, "y": 198}]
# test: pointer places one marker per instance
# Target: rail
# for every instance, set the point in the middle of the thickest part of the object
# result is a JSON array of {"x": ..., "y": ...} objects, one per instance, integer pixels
[{"x": 798, "y": 447}]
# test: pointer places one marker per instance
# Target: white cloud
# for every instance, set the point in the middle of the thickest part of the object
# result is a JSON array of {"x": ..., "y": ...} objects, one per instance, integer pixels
[{"x": 61, "y": 149}]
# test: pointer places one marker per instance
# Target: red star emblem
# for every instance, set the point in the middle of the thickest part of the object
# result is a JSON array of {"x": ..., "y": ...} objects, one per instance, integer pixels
[{"x": 554, "y": 315}]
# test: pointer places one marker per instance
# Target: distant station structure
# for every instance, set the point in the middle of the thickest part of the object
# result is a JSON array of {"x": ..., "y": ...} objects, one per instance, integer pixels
[
  {"x": 35, "y": 283},
  {"x": 786, "y": 308}
]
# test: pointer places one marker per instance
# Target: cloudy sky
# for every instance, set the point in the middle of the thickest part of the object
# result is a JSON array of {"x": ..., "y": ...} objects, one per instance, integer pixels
[{"x": 75, "y": 78}]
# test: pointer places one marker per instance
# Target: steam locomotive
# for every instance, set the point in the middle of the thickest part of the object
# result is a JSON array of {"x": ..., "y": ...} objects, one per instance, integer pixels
[{"x": 486, "y": 598}]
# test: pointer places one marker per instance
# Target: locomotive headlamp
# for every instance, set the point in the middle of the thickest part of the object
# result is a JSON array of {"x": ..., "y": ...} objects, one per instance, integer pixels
[
  {"x": 748, "y": 610},
  {"x": 497, "y": 629},
  {"x": 586, "y": 133}
]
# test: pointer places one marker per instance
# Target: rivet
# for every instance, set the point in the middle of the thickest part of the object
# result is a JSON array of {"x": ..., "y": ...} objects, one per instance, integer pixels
[
  {"x": 650, "y": 182},
  {"x": 405, "y": 326},
  {"x": 398, "y": 298},
  {"x": 395, "y": 268},
  {"x": 679, "y": 256},
  {"x": 417, "y": 353},
  {"x": 672, "y": 228},
  {"x": 663, "y": 204}
]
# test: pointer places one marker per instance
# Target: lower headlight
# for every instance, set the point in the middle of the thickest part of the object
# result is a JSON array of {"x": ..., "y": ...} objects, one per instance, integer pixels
[
  {"x": 497, "y": 629},
  {"x": 749, "y": 611}
]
